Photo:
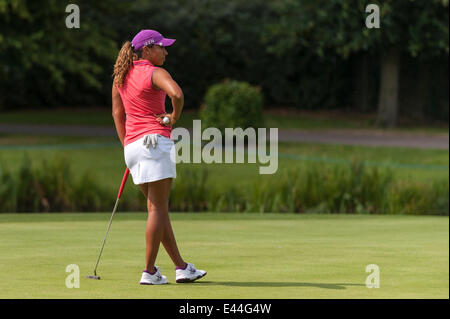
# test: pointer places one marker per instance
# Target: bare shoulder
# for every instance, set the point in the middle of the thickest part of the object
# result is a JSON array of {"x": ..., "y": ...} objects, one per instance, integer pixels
[
  {"x": 160, "y": 78},
  {"x": 160, "y": 72}
]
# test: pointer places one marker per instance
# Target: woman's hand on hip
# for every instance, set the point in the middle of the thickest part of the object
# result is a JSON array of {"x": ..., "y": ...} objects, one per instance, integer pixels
[{"x": 159, "y": 118}]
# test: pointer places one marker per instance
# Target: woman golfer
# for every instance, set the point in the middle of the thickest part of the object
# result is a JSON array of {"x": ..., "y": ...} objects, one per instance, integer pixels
[{"x": 138, "y": 106}]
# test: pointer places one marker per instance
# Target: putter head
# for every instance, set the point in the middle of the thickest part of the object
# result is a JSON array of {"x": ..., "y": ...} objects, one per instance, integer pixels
[{"x": 93, "y": 277}]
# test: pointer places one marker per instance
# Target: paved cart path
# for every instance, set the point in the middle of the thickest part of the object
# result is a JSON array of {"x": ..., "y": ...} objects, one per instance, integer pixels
[{"x": 345, "y": 137}]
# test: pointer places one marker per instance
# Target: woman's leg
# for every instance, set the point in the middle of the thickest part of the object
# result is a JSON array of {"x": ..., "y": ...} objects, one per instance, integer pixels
[
  {"x": 158, "y": 223},
  {"x": 169, "y": 242},
  {"x": 156, "y": 202}
]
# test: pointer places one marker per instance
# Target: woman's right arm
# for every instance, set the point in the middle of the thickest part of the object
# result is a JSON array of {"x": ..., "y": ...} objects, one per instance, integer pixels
[
  {"x": 162, "y": 80},
  {"x": 118, "y": 113}
]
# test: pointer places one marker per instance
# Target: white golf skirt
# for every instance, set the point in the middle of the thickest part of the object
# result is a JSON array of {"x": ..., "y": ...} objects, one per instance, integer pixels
[{"x": 151, "y": 158}]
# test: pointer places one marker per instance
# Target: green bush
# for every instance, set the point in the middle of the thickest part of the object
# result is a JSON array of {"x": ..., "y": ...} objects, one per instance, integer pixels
[{"x": 232, "y": 104}]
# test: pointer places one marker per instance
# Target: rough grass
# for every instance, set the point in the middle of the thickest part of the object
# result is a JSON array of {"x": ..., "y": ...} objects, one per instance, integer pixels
[{"x": 246, "y": 256}]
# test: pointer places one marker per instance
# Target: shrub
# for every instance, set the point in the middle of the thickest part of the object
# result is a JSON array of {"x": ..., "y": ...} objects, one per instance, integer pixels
[{"x": 232, "y": 104}]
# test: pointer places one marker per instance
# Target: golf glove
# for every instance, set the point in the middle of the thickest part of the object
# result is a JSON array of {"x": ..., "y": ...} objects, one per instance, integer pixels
[{"x": 151, "y": 138}]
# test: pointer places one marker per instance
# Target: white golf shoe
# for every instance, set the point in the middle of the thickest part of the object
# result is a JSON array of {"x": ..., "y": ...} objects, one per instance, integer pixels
[
  {"x": 155, "y": 279},
  {"x": 189, "y": 274}
]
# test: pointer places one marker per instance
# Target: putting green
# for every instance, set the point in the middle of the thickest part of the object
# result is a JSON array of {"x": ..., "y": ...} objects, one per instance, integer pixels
[{"x": 246, "y": 256}]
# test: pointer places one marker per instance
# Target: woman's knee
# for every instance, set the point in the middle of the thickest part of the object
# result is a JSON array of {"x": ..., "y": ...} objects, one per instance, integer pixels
[
  {"x": 157, "y": 208},
  {"x": 144, "y": 189},
  {"x": 158, "y": 191}
]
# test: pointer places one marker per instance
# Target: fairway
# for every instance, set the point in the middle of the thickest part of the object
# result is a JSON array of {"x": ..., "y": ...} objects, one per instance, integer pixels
[{"x": 246, "y": 256}]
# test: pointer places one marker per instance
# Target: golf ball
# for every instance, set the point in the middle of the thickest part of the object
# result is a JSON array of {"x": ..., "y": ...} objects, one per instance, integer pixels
[{"x": 166, "y": 120}]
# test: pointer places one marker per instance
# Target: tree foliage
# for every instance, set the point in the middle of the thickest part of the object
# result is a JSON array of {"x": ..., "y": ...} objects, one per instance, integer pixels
[
  {"x": 300, "y": 52},
  {"x": 418, "y": 27},
  {"x": 41, "y": 59}
]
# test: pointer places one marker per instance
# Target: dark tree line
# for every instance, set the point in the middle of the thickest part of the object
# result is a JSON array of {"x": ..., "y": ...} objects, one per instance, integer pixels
[{"x": 310, "y": 54}]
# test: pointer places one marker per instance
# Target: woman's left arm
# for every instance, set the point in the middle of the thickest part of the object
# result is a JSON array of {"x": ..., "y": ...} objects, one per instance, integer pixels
[
  {"x": 118, "y": 113},
  {"x": 162, "y": 79}
]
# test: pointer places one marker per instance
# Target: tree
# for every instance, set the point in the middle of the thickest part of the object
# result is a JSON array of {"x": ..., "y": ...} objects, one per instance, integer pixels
[
  {"x": 415, "y": 28},
  {"x": 42, "y": 61},
  {"x": 215, "y": 40}
]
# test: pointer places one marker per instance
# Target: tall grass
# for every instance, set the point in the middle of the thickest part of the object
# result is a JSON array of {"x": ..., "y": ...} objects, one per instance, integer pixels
[
  {"x": 52, "y": 186},
  {"x": 8, "y": 190},
  {"x": 190, "y": 191},
  {"x": 344, "y": 189},
  {"x": 431, "y": 198}
]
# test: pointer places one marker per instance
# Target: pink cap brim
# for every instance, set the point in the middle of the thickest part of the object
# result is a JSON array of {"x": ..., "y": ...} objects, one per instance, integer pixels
[{"x": 168, "y": 42}]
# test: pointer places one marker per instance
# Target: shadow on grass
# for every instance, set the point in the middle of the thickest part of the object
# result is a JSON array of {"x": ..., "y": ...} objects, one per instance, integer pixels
[{"x": 278, "y": 284}]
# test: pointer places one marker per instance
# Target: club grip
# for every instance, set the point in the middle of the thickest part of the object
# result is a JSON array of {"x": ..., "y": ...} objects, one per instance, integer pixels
[{"x": 124, "y": 181}]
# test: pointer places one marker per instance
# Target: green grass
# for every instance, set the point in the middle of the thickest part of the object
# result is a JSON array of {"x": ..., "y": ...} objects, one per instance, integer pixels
[
  {"x": 26, "y": 140},
  {"x": 104, "y": 158},
  {"x": 84, "y": 116},
  {"x": 246, "y": 256},
  {"x": 318, "y": 120}
]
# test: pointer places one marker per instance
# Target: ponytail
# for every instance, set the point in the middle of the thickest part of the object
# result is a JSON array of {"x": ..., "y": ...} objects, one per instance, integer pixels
[{"x": 123, "y": 63}]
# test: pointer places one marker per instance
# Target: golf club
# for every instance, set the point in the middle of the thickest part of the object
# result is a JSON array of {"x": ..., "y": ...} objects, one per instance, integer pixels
[{"x": 124, "y": 180}]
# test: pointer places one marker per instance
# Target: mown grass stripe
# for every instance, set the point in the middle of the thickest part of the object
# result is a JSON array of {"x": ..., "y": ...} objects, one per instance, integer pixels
[
  {"x": 315, "y": 159},
  {"x": 368, "y": 163},
  {"x": 58, "y": 146}
]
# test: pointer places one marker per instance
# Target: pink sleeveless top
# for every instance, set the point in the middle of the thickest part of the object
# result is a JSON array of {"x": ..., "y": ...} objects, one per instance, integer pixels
[{"x": 141, "y": 102}]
